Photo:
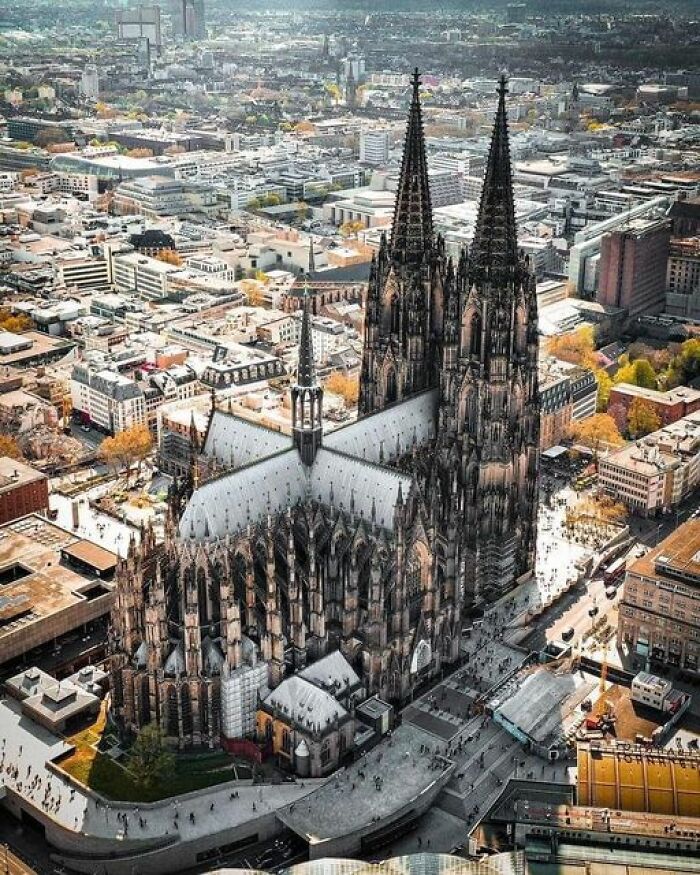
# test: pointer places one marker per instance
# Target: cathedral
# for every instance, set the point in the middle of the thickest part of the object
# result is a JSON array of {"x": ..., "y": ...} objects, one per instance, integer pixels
[{"x": 377, "y": 538}]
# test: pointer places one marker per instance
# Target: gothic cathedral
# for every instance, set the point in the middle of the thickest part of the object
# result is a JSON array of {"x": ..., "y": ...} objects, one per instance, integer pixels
[{"x": 377, "y": 538}]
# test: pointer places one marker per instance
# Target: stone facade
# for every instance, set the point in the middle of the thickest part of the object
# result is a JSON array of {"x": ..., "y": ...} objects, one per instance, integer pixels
[{"x": 373, "y": 539}]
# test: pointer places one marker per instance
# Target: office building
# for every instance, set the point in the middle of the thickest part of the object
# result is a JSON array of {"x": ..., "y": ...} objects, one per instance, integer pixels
[
  {"x": 633, "y": 267},
  {"x": 138, "y": 23},
  {"x": 90, "y": 82},
  {"x": 106, "y": 398},
  {"x": 659, "y": 612},
  {"x": 654, "y": 474},
  {"x": 683, "y": 278},
  {"x": 374, "y": 147}
]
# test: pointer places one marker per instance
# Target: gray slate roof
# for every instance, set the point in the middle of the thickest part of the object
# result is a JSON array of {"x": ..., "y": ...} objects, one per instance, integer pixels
[
  {"x": 247, "y": 441},
  {"x": 366, "y": 437},
  {"x": 269, "y": 475}
]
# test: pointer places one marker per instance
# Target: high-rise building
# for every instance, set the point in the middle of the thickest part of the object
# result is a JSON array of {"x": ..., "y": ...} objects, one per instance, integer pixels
[
  {"x": 372, "y": 539},
  {"x": 633, "y": 267},
  {"x": 374, "y": 147},
  {"x": 138, "y": 23},
  {"x": 90, "y": 82},
  {"x": 190, "y": 19}
]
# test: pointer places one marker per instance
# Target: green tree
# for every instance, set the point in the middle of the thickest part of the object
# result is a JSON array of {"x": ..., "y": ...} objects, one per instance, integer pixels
[
  {"x": 636, "y": 373},
  {"x": 685, "y": 365},
  {"x": 149, "y": 760},
  {"x": 642, "y": 418},
  {"x": 604, "y": 386}
]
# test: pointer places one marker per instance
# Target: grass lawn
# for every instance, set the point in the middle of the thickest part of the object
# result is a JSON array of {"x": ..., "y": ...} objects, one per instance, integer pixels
[{"x": 114, "y": 781}]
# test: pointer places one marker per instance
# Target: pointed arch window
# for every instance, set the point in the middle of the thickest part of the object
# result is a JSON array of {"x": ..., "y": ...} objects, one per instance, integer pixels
[
  {"x": 391, "y": 391},
  {"x": 395, "y": 313},
  {"x": 475, "y": 335}
]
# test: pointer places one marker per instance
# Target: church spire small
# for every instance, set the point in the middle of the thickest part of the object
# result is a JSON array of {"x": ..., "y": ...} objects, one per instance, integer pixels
[
  {"x": 312, "y": 260},
  {"x": 412, "y": 230},
  {"x": 306, "y": 370},
  {"x": 307, "y": 394},
  {"x": 495, "y": 242}
]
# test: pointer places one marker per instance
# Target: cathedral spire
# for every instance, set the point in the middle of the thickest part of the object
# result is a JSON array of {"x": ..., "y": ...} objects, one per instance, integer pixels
[
  {"x": 495, "y": 242},
  {"x": 412, "y": 230}
]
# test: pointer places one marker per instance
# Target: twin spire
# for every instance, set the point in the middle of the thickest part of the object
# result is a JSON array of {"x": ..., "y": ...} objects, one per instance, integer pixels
[
  {"x": 495, "y": 240},
  {"x": 412, "y": 231}
]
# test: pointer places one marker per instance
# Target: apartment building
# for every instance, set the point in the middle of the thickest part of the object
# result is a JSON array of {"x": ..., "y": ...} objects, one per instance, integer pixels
[
  {"x": 568, "y": 394},
  {"x": 659, "y": 613},
  {"x": 107, "y": 399},
  {"x": 655, "y": 474},
  {"x": 670, "y": 406}
]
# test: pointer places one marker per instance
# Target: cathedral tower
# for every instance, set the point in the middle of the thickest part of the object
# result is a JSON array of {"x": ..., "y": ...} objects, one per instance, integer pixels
[
  {"x": 404, "y": 292},
  {"x": 489, "y": 423}
]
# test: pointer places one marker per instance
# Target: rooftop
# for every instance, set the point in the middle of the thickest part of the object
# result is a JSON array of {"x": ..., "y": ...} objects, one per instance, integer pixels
[
  {"x": 676, "y": 556},
  {"x": 352, "y": 800},
  {"x": 14, "y": 473}
]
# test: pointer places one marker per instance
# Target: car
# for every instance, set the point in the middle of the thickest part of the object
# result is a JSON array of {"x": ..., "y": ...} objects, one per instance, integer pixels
[
  {"x": 568, "y": 634},
  {"x": 85, "y": 428},
  {"x": 593, "y": 611},
  {"x": 610, "y": 592}
]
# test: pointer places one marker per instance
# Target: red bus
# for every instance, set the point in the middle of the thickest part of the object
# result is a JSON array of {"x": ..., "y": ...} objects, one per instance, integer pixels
[{"x": 615, "y": 572}]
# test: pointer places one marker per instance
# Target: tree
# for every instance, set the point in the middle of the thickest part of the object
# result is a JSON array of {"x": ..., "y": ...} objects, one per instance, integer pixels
[
  {"x": 576, "y": 347},
  {"x": 149, "y": 760},
  {"x": 9, "y": 447},
  {"x": 347, "y": 387},
  {"x": 15, "y": 323},
  {"x": 128, "y": 447},
  {"x": 169, "y": 256},
  {"x": 351, "y": 228},
  {"x": 604, "y": 386},
  {"x": 142, "y": 152},
  {"x": 597, "y": 429},
  {"x": 636, "y": 373},
  {"x": 302, "y": 211},
  {"x": 270, "y": 200},
  {"x": 103, "y": 110},
  {"x": 685, "y": 365},
  {"x": 642, "y": 418}
]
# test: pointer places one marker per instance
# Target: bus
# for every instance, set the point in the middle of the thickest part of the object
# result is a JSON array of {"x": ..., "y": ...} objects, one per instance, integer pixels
[{"x": 615, "y": 572}]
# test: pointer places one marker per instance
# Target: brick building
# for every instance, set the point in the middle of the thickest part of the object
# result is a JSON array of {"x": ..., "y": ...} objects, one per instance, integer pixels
[
  {"x": 670, "y": 406},
  {"x": 633, "y": 267},
  {"x": 23, "y": 490}
]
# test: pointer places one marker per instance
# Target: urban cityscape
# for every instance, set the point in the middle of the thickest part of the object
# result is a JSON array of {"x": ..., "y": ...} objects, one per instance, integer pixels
[{"x": 349, "y": 437}]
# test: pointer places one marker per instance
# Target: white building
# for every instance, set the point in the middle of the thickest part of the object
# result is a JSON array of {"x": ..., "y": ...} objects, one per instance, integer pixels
[
  {"x": 106, "y": 398},
  {"x": 142, "y": 274},
  {"x": 654, "y": 474},
  {"x": 374, "y": 147},
  {"x": 90, "y": 82}
]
